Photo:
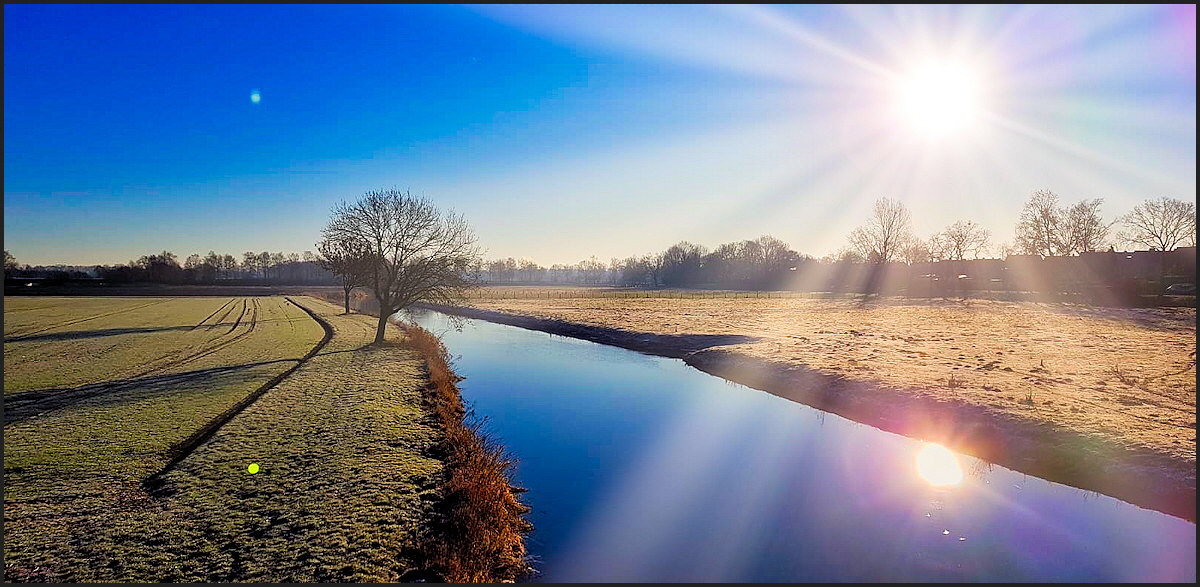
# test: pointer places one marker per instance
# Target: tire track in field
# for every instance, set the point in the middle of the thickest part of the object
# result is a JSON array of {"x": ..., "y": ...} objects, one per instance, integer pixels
[
  {"x": 221, "y": 320},
  {"x": 159, "y": 366},
  {"x": 220, "y": 340},
  {"x": 24, "y": 407},
  {"x": 79, "y": 320},
  {"x": 38, "y": 403},
  {"x": 185, "y": 447},
  {"x": 201, "y": 323},
  {"x": 239, "y": 318}
]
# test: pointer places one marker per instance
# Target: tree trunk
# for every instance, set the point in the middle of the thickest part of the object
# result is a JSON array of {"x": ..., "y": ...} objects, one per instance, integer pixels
[
  {"x": 347, "y": 290},
  {"x": 379, "y": 330}
]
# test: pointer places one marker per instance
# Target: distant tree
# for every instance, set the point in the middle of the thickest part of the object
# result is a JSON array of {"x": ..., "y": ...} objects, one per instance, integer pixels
[
  {"x": 961, "y": 239},
  {"x": 1160, "y": 224},
  {"x": 631, "y": 271},
  {"x": 777, "y": 256},
  {"x": 681, "y": 263},
  {"x": 309, "y": 260},
  {"x": 528, "y": 270},
  {"x": 1082, "y": 229},
  {"x": 885, "y": 235},
  {"x": 10, "y": 263},
  {"x": 503, "y": 270},
  {"x": 263, "y": 262},
  {"x": 654, "y": 269},
  {"x": 1039, "y": 226},
  {"x": 416, "y": 252},
  {"x": 211, "y": 268},
  {"x": 591, "y": 270},
  {"x": 917, "y": 251},
  {"x": 228, "y": 264},
  {"x": 844, "y": 255},
  {"x": 250, "y": 262},
  {"x": 348, "y": 258},
  {"x": 161, "y": 268},
  {"x": 276, "y": 261},
  {"x": 1005, "y": 249}
]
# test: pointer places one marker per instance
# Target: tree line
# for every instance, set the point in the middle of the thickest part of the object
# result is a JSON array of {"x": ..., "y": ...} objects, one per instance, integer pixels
[
  {"x": 1044, "y": 228},
  {"x": 213, "y": 268},
  {"x": 404, "y": 249}
]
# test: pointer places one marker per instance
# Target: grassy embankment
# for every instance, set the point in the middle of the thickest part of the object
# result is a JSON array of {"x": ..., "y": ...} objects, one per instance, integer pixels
[
  {"x": 1098, "y": 398},
  {"x": 349, "y": 481},
  {"x": 480, "y": 527}
]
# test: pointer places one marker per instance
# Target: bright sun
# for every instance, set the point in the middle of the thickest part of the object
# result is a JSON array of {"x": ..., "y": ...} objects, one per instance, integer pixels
[
  {"x": 937, "y": 100},
  {"x": 938, "y": 466}
]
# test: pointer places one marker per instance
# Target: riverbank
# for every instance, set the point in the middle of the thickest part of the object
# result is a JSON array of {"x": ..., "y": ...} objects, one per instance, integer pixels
[
  {"x": 1046, "y": 425},
  {"x": 479, "y": 532},
  {"x": 476, "y": 531}
]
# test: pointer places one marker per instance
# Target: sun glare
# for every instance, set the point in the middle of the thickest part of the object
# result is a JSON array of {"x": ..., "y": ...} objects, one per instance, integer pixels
[
  {"x": 938, "y": 466},
  {"x": 937, "y": 100}
]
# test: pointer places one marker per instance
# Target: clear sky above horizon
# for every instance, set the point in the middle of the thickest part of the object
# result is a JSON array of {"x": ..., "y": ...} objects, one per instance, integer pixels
[{"x": 567, "y": 131}]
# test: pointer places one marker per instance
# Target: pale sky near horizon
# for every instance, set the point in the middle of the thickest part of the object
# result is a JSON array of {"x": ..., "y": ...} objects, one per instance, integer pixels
[{"x": 562, "y": 132}]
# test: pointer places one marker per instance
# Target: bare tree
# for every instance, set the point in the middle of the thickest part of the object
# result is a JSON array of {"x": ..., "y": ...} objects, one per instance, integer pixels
[
  {"x": 228, "y": 264},
  {"x": 681, "y": 263},
  {"x": 1038, "y": 227},
  {"x": 961, "y": 239},
  {"x": 10, "y": 263},
  {"x": 249, "y": 262},
  {"x": 275, "y": 261},
  {"x": 885, "y": 235},
  {"x": 917, "y": 251},
  {"x": 417, "y": 253},
  {"x": 1082, "y": 229},
  {"x": 348, "y": 258},
  {"x": 1162, "y": 224},
  {"x": 263, "y": 262},
  {"x": 654, "y": 268}
]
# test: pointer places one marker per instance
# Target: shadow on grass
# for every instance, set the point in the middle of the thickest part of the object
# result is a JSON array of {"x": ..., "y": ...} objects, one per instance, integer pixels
[
  {"x": 79, "y": 334},
  {"x": 29, "y": 404}
]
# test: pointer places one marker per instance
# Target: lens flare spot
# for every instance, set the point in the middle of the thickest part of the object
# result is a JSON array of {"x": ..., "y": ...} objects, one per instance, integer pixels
[
  {"x": 255, "y": 97},
  {"x": 938, "y": 466}
]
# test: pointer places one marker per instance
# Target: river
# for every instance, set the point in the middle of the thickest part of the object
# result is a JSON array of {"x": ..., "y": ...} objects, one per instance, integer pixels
[{"x": 640, "y": 468}]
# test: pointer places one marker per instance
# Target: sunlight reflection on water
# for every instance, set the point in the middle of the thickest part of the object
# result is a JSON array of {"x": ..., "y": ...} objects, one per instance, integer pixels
[{"x": 641, "y": 468}]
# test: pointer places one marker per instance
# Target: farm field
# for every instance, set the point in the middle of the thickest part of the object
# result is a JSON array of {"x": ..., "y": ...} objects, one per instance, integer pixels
[
  {"x": 98, "y": 390},
  {"x": 1125, "y": 375}
]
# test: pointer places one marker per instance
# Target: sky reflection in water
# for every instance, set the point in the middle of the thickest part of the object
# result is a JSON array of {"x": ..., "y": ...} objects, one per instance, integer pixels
[{"x": 641, "y": 468}]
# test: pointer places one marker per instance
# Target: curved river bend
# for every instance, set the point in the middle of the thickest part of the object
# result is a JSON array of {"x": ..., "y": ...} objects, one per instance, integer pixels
[{"x": 640, "y": 468}]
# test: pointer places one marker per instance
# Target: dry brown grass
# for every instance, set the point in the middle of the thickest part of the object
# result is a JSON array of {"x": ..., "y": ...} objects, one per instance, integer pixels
[
  {"x": 1054, "y": 363},
  {"x": 481, "y": 534}
]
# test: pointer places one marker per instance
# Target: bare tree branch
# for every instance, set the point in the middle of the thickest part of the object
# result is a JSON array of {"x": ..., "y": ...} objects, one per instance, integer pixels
[
  {"x": 1161, "y": 224},
  {"x": 412, "y": 251}
]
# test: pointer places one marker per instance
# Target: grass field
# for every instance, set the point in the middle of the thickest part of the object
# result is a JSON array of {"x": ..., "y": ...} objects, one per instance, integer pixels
[
  {"x": 1126, "y": 375},
  {"x": 97, "y": 390}
]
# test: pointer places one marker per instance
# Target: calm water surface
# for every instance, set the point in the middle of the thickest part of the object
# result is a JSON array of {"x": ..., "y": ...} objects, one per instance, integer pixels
[{"x": 641, "y": 468}]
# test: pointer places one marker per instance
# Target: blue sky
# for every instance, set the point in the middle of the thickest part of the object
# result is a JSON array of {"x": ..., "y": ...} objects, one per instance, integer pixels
[{"x": 567, "y": 131}]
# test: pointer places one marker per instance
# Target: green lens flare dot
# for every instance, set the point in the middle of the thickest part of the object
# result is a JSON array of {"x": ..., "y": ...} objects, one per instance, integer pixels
[{"x": 253, "y": 468}]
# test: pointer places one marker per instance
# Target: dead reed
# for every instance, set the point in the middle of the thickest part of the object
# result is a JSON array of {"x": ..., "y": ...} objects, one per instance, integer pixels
[{"x": 480, "y": 531}]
